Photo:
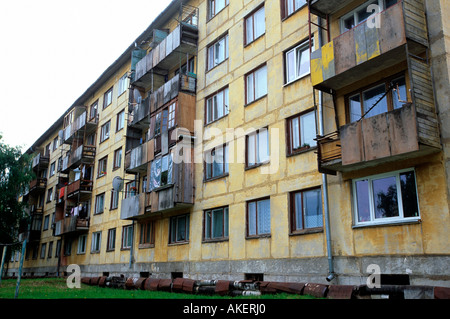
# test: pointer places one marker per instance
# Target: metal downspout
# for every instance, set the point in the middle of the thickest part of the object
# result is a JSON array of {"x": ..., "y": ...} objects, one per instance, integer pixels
[{"x": 331, "y": 274}]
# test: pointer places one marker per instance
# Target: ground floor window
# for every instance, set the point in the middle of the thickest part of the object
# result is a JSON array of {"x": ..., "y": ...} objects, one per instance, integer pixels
[
  {"x": 386, "y": 197},
  {"x": 215, "y": 224},
  {"x": 179, "y": 229},
  {"x": 306, "y": 210},
  {"x": 258, "y": 217}
]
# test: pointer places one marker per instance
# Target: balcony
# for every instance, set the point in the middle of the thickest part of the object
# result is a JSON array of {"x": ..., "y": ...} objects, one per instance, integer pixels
[
  {"x": 178, "y": 44},
  {"x": 70, "y": 225},
  {"x": 359, "y": 52},
  {"x": 404, "y": 133},
  {"x": 80, "y": 127},
  {"x": 134, "y": 207},
  {"x": 38, "y": 185},
  {"x": 136, "y": 160},
  {"x": 80, "y": 188},
  {"x": 40, "y": 162},
  {"x": 83, "y": 154}
]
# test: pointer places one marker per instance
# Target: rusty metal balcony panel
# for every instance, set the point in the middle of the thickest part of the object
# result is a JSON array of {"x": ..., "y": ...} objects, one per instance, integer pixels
[
  {"x": 379, "y": 139},
  {"x": 180, "y": 42},
  {"x": 359, "y": 52}
]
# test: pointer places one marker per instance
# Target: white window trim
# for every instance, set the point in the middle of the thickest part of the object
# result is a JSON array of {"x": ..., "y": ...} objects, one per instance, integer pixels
[
  {"x": 303, "y": 45},
  {"x": 387, "y": 220}
]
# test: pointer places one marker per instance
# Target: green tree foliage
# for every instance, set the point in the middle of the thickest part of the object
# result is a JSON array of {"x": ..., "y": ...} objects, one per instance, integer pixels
[{"x": 15, "y": 176}]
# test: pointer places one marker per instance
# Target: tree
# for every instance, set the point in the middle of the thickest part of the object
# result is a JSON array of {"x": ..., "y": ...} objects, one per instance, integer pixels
[{"x": 15, "y": 176}]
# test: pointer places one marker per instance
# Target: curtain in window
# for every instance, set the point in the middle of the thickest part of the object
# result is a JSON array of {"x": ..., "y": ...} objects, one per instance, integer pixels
[
  {"x": 308, "y": 129},
  {"x": 295, "y": 133},
  {"x": 217, "y": 226},
  {"x": 298, "y": 211},
  {"x": 263, "y": 216},
  {"x": 155, "y": 176},
  {"x": 313, "y": 208},
  {"x": 252, "y": 218}
]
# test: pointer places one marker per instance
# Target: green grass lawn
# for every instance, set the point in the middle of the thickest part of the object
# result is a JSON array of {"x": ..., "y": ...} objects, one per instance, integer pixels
[{"x": 56, "y": 288}]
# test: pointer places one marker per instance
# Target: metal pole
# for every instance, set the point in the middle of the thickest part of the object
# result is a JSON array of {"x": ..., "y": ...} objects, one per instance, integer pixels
[
  {"x": 20, "y": 269},
  {"x": 3, "y": 263}
]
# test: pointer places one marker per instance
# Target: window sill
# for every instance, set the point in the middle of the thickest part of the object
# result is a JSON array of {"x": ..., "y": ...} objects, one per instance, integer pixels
[
  {"x": 256, "y": 165},
  {"x": 258, "y": 236},
  {"x": 307, "y": 231},
  {"x": 254, "y": 101},
  {"x": 302, "y": 151},
  {"x": 179, "y": 243},
  {"x": 146, "y": 246},
  {"x": 254, "y": 40},
  {"x": 216, "y": 240},
  {"x": 414, "y": 220}
]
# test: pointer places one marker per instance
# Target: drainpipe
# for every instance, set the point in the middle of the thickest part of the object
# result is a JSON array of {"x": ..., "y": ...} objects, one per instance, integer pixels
[{"x": 331, "y": 274}]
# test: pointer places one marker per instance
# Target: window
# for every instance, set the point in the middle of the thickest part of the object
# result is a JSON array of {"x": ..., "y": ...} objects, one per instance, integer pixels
[
  {"x": 55, "y": 144},
  {"x": 50, "y": 250},
  {"x": 67, "y": 246},
  {"x": 215, "y": 6},
  {"x": 215, "y": 224},
  {"x": 217, "y": 106},
  {"x": 102, "y": 167},
  {"x": 255, "y": 25},
  {"x": 362, "y": 13},
  {"x": 60, "y": 163},
  {"x": 306, "y": 209},
  {"x": 218, "y": 52},
  {"x": 386, "y": 198},
  {"x": 120, "y": 123},
  {"x": 107, "y": 98},
  {"x": 377, "y": 99},
  {"x": 256, "y": 84},
  {"x": 147, "y": 233},
  {"x": 43, "y": 250},
  {"x": 216, "y": 162},
  {"x": 47, "y": 150},
  {"x": 52, "y": 169},
  {"x": 50, "y": 194},
  {"x": 301, "y": 132},
  {"x": 82, "y": 239},
  {"x": 123, "y": 84},
  {"x": 99, "y": 203},
  {"x": 161, "y": 172},
  {"x": 297, "y": 62},
  {"x": 96, "y": 242},
  {"x": 58, "y": 248},
  {"x": 127, "y": 237},
  {"x": 171, "y": 122},
  {"x": 179, "y": 229},
  {"x": 46, "y": 222},
  {"x": 117, "y": 158},
  {"x": 93, "y": 109},
  {"x": 130, "y": 189},
  {"x": 104, "y": 132},
  {"x": 111, "y": 243},
  {"x": 258, "y": 217},
  {"x": 114, "y": 199},
  {"x": 257, "y": 144},
  {"x": 90, "y": 140},
  {"x": 288, "y": 7}
]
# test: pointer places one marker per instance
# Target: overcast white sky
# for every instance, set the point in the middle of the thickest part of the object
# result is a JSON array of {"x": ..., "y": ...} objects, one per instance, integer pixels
[{"x": 51, "y": 51}]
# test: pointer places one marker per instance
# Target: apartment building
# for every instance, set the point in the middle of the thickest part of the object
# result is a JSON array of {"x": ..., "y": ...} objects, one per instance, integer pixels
[{"x": 271, "y": 140}]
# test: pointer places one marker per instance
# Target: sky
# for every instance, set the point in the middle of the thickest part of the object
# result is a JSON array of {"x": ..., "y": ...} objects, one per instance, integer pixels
[{"x": 51, "y": 51}]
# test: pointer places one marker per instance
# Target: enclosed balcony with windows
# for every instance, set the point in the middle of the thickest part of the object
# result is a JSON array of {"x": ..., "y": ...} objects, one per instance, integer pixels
[{"x": 79, "y": 123}]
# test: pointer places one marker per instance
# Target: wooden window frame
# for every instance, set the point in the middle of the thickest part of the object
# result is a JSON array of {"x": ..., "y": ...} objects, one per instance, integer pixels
[
  {"x": 211, "y": 14},
  {"x": 102, "y": 168},
  {"x": 103, "y": 131},
  {"x": 284, "y": 8},
  {"x": 187, "y": 226},
  {"x": 114, "y": 195},
  {"x": 226, "y": 109},
  {"x": 247, "y": 102},
  {"x": 289, "y": 133},
  {"x": 293, "y": 215},
  {"x": 257, "y": 132},
  {"x": 93, "y": 110},
  {"x": 105, "y": 100},
  {"x": 80, "y": 243},
  {"x": 118, "y": 121},
  {"x": 225, "y": 163},
  {"x": 212, "y": 45},
  {"x": 96, "y": 238},
  {"x": 111, "y": 242},
  {"x": 96, "y": 212},
  {"x": 252, "y": 16},
  {"x": 145, "y": 240},
  {"x": 257, "y": 235},
  {"x": 125, "y": 233},
  {"x": 115, "y": 164},
  {"x": 215, "y": 239}
]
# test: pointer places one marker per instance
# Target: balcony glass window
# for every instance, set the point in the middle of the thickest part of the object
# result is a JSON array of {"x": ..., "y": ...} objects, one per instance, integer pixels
[
  {"x": 218, "y": 52},
  {"x": 215, "y": 224},
  {"x": 217, "y": 106},
  {"x": 255, "y": 25},
  {"x": 363, "y": 12},
  {"x": 258, "y": 148},
  {"x": 297, "y": 62},
  {"x": 258, "y": 217},
  {"x": 179, "y": 229},
  {"x": 161, "y": 171},
  {"x": 386, "y": 197},
  {"x": 171, "y": 112},
  {"x": 256, "y": 84},
  {"x": 215, "y": 6},
  {"x": 216, "y": 162}
]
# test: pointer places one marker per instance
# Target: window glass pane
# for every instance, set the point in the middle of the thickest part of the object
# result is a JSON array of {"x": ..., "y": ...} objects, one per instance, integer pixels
[
  {"x": 251, "y": 153},
  {"x": 249, "y": 29},
  {"x": 289, "y": 6},
  {"x": 220, "y": 4},
  {"x": 364, "y": 13},
  {"x": 295, "y": 133},
  {"x": 290, "y": 65},
  {"x": 399, "y": 96},
  {"x": 260, "y": 24},
  {"x": 219, "y": 104},
  {"x": 313, "y": 208},
  {"x": 385, "y": 197},
  {"x": 349, "y": 23},
  {"x": 261, "y": 82},
  {"x": 208, "y": 224},
  {"x": 298, "y": 211},
  {"x": 299, "y": 4},
  {"x": 263, "y": 145},
  {"x": 226, "y": 101},
  {"x": 225, "y": 221},
  {"x": 217, "y": 227},
  {"x": 355, "y": 108},
  {"x": 308, "y": 127},
  {"x": 302, "y": 61},
  {"x": 263, "y": 216},
  {"x": 362, "y": 200},
  {"x": 371, "y": 96},
  {"x": 218, "y": 162},
  {"x": 409, "y": 194},
  {"x": 181, "y": 229},
  {"x": 390, "y": 3},
  {"x": 250, "y": 88},
  {"x": 252, "y": 218}
]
